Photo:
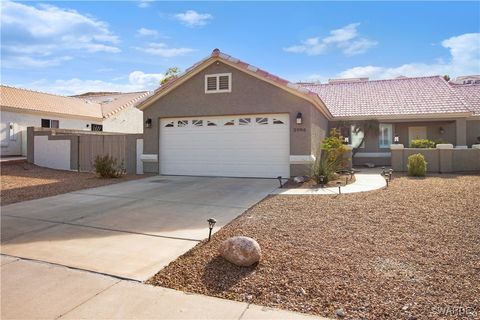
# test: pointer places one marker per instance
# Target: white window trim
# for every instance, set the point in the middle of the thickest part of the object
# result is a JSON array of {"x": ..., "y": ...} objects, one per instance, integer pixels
[
  {"x": 383, "y": 125},
  {"x": 218, "y": 75}
]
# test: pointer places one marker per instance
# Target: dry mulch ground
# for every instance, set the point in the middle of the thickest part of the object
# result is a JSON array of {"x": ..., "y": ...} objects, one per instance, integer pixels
[
  {"x": 407, "y": 252},
  {"x": 23, "y": 181}
]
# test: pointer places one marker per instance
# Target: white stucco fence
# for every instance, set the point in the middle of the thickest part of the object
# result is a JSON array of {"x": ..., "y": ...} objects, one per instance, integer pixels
[{"x": 53, "y": 154}]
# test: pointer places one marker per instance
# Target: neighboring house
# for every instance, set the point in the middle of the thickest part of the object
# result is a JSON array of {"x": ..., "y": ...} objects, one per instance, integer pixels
[
  {"x": 119, "y": 110},
  {"x": 471, "y": 96},
  {"x": 224, "y": 117},
  {"x": 472, "y": 79},
  {"x": 21, "y": 108}
]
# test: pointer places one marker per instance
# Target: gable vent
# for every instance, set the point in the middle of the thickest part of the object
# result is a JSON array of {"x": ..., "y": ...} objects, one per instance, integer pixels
[{"x": 216, "y": 83}]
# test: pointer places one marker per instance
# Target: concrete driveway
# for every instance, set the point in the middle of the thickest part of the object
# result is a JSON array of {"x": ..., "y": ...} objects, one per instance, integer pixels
[{"x": 129, "y": 230}]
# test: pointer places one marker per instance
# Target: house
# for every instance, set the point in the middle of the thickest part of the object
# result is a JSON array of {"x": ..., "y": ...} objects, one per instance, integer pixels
[
  {"x": 22, "y": 108},
  {"x": 406, "y": 109},
  {"x": 225, "y": 117}
]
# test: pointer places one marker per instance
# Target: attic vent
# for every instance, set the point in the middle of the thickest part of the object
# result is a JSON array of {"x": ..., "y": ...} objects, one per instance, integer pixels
[{"x": 215, "y": 83}]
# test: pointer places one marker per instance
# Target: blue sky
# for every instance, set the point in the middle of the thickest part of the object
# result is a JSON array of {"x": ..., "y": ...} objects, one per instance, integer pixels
[{"x": 71, "y": 47}]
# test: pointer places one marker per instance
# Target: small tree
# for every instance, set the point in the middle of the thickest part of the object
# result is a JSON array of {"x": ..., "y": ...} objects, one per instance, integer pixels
[
  {"x": 446, "y": 77},
  {"x": 368, "y": 127},
  {"x": 170, "y": 74}
]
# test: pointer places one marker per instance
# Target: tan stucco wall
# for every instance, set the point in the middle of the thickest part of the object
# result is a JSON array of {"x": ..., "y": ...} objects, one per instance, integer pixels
[
  {"x": 249, "y": 95},
  {"x": 473, "y": 131}
]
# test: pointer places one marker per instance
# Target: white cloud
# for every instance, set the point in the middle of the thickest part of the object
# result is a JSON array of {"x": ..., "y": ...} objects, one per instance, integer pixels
[
  {"x": 191, "y": 18},
  {"x": 144, "y": 32},
  {"x": 144, "y": 3},
  {"x": 346, "y": 39},
  {"x": 464, "y": 59},
  {"x": 163, "y": 50},
  {"x": 34, "y": 33},
  {"x": 23, "y": 62},
  {"x": 137, "y": 81}
]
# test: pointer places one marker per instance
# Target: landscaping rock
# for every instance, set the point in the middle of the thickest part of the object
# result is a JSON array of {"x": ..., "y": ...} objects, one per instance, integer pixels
[
  {"x": 241, "y": 251},
  {"x": 340, "y": 313},
  {"x": 299, "y": 179}
]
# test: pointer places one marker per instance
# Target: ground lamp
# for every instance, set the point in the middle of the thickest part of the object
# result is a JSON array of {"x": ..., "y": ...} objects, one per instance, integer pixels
[
  {"x": 322, "y": 184},
  {"x": 351, "y": 174},
  {"x": 390, "y": 173},
  {"x": 339, "y": 185},
  {"x": 386, "y": 180},
  {"x": 211, "y": 224},
  {"x": 280, "y": 181},
  {"x": 299, "y": 118},
  {"x": 383, "y": 171}
]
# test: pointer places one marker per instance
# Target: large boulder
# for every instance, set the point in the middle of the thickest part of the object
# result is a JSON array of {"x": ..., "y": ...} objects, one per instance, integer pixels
[{"x": 241, "y": 251}]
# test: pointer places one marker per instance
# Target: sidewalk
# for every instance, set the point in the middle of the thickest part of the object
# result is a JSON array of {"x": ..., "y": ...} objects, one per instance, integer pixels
[
  {"x": 366, "y": 180},
  {"x": 38, "y": 290}
]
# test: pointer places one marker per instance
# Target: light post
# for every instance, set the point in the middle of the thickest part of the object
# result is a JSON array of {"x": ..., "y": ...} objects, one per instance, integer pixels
[
  {"x": 339, "y": 184},
  {"x": 280, "y": 181},
  {"x": 211, "y": 224},
  {"x": 322, "y": 184}
]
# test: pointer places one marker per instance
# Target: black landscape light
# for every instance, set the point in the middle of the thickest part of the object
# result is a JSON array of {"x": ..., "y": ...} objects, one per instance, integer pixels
[
  {"x": 352, "y": 172},
  {"x": 280, "y": 181},
  {"x": 386, "y": 180},
  {"x": 383, "y": 171},
  {"x": 322, "y": 184},
  {"x": 390, "y": 173},
  {"x": 211, "y": 224},
  {"x": 339, "y": 185}
]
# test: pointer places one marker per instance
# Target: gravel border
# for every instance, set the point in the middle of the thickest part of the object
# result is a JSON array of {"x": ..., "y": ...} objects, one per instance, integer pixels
[{"x": 405, "y": 252}]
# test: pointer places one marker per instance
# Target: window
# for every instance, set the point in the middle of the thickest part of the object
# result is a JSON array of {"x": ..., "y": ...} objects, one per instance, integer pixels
[
  {"x": 182, "y": 123},
  {"x": 169, "y": 125},
  {"x": 356, "y": 138},
  {"x": 211, "y": 124},
  {"x": 197, "y": 123},
  {"x": 47, "y": 123},
  {"x": 215, "y": 83},
  {"x": 385, "y": 135},
  {"x": 230, "y": 123},
  {"x": 244, "y": 121},
  {"x": 261, "y": 120},
  {"x": 96, "y": 127},
  {"x": 276, "y": 121}
]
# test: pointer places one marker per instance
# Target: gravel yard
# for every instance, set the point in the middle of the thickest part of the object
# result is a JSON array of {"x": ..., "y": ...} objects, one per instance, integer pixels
[
  {"x": 407, "y": 252},
  {"x": 24, "y": 181}
]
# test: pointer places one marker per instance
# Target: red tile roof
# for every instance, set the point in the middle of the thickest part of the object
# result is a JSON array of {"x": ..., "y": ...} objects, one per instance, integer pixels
[
  {"x": 471, "y": 95},
  {"x": 395, "y": 97},
  {"x": 112, "y": 103}
]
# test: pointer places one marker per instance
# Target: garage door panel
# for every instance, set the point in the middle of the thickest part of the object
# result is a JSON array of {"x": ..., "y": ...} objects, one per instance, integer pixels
[{"x": 254, "y": 150}]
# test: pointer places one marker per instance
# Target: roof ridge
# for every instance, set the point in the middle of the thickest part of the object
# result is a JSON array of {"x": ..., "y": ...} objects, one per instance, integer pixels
[
  {"x": 47, "y": 93},
  {"x": 130, "y": 102},
  {"x": 367, "y": 81}
]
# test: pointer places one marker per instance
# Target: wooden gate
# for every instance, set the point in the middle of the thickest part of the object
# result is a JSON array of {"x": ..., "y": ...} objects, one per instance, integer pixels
[{"x": 91, "y": 146}]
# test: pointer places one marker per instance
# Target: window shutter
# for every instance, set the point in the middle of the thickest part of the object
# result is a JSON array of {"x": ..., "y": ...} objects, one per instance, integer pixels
[
  {"x": 224, "y": 83},
  {"x": 211, "y": 83}
]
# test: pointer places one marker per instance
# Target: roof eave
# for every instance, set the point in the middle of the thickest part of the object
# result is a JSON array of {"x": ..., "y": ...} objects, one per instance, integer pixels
[
  {"x": 310, "y": 96},
  {"x": 58, "y": 114},
  {"x": 442, "y": 116}
]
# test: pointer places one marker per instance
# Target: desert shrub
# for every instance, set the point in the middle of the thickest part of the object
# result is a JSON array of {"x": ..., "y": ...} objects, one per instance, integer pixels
[
  {"x": 335, "y": 149},
  {"x": 331, "y": 157},
  {"x": 417, "y": 166},
  {"x": 106, "y": 167},
  {"x": 423, "y": 143},
  {"x": 325, "y": 166}
]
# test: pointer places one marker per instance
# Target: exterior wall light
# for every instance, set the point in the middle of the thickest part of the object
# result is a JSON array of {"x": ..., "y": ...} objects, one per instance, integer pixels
[
  {"x": 299, "y": 118},
  {"x": 211, "y": 224},
  {"x": 441, "y": 130},
  {"x": 396, "y": 139},
  {"x": 148, "y": 123},
  {"x": 346, "y": 140}
]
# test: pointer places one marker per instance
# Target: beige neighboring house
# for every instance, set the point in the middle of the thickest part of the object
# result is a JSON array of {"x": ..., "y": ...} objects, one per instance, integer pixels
[{"x": 22, "y": 108}]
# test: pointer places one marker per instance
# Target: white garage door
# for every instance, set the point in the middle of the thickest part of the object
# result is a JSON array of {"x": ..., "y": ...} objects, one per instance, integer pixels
[{"x": 230, "y": 146}]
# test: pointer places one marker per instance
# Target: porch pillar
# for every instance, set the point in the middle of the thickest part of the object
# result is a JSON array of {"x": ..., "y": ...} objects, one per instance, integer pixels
[{"x": 461, "y": 132}]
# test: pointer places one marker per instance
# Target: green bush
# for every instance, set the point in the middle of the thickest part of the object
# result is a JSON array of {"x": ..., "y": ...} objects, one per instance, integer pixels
[
  {"x": 325, "y": 166},
  {"x": 417, "y": 166},
  {"x": 106, "y": 167},
  {"x": 423, "y": 143}
]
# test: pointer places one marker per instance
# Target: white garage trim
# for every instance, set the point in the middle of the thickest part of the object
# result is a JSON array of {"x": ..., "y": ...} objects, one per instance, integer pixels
[{"x": 232, "y": 146}]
